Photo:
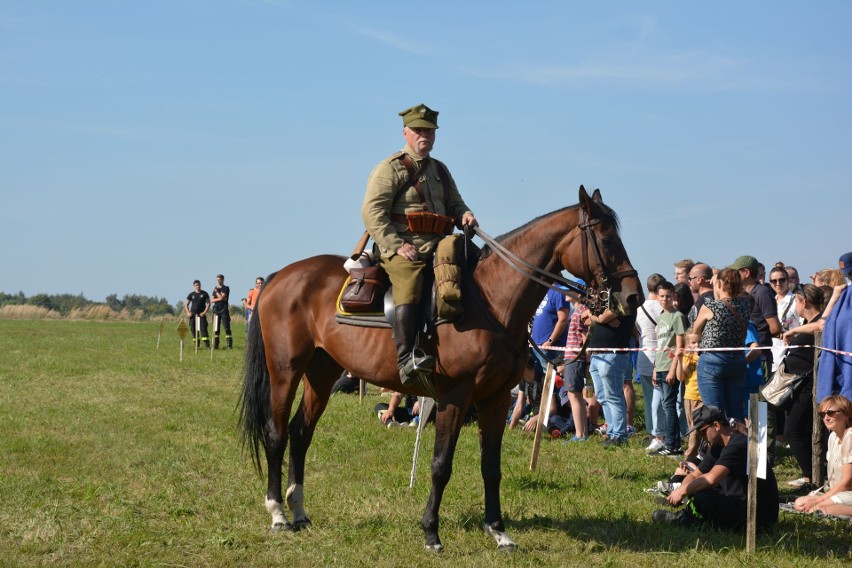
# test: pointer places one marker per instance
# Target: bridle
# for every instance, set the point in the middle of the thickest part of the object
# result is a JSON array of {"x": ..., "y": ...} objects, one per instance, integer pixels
[
  {"x": 597, "y": 295},
  {"x": 599, "y": 292}
]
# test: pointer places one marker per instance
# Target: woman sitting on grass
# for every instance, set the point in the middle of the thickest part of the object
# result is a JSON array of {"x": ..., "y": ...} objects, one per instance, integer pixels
[{"x": 836, "y": 497}]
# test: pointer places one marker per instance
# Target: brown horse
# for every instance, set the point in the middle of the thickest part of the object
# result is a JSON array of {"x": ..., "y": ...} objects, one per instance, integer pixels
[{"x": 294, "y": 337}]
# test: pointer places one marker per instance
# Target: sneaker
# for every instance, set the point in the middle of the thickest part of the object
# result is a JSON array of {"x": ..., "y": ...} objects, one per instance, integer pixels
[
  {"x": 661, "y": 516},
  {"x": 601, "y": 430},
  {"x": 656, "y": 444},
  {"x": 665, "y": 487},
  {"x": 395, "y": 424},
  {"x": 631, "y": 431},
  {"x": 799, "y": 483},
  {"x": 613, "y": 442},
  {"x": 667, "y": 452},
  {"x": 575, "y": 439}
]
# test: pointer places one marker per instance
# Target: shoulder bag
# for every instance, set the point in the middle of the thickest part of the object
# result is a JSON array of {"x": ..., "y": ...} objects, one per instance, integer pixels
[{"x": 782, "y": 387}]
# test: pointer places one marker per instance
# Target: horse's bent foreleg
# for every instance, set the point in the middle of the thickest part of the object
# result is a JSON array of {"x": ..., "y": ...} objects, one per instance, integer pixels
[
  {"x": 448, "y": 423},
  {"x": 321, "y": 374},
  {"x": 492, "y": 421}
]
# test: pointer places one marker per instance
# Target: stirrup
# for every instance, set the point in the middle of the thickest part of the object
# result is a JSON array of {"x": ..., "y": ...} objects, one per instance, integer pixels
[
  {"x": 417, "y": 369},
  {"x": 424, "y": 381}
]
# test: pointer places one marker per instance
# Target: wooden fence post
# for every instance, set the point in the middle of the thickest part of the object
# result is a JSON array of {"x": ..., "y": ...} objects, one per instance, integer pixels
[
  {"x": 751, "y": 503},
  {"x": 817, "y": 476},
  {"x": 545, "y": 404}
]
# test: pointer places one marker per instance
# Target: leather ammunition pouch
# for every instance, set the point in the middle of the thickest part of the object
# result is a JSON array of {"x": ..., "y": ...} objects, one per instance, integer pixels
[{"x": 426, "y": 222}]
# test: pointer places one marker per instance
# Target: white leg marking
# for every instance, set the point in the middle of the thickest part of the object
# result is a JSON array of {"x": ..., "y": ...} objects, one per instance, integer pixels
[
  {"x": 503, "y": 540},
  {"x": 296, "y": 502},
  {"x": 276, "y": 509}
]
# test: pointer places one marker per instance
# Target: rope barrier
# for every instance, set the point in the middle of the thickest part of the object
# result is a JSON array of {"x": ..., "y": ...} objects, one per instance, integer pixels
[{"x": 699, "y": 350}]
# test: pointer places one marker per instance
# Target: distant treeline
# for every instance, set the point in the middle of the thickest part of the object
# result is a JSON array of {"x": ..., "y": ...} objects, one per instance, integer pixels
[{"x": 65, "y": 305}]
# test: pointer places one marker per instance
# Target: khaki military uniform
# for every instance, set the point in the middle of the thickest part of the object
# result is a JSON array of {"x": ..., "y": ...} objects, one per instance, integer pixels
[{"x": 384, "y": 198}]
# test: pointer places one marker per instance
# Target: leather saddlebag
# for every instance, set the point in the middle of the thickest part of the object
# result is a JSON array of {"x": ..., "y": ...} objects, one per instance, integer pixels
[{"x": 365, "y": 290}]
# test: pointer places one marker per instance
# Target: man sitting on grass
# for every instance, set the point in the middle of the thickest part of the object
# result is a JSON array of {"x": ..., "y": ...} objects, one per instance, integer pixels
[{"x": 716, "y": 492}]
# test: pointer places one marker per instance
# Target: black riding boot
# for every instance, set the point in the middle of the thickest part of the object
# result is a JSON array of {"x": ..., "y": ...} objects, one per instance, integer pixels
[
  {"x": 230, "y": 341},
  {"x": 412, "y": 367}
]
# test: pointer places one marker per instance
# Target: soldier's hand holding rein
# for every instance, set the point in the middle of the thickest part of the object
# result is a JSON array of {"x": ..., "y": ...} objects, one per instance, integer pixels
[{"x": 470, "y": 220}]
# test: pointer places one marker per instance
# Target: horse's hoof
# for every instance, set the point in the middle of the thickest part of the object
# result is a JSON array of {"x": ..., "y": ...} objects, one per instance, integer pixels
[
  {"x": 436, "y": 548},
  {"x": 301, "y": 524},
  {"x": 279, "y": 527}
]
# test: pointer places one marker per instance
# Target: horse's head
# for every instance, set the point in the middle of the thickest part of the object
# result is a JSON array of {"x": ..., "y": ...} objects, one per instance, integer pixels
[{"x": 597, "y": 254}]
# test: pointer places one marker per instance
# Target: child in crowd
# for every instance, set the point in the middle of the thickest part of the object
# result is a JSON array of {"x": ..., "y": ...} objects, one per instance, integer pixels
[
  {"x": 671, "y": 327},
  {"x": 394, "y": 413},
  {"x": 687, "y": 373},
  {"x": 528, "y": 400}
]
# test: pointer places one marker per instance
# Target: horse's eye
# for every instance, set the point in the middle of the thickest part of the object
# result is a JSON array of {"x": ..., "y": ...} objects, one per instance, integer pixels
[{"x": 606, "y": 241}]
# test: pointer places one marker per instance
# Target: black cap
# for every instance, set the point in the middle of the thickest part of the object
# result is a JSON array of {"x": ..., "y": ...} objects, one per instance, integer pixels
[{"x": 705, "y": 415}]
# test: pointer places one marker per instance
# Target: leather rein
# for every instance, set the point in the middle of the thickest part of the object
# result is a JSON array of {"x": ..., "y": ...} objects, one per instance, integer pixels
[{"x": 597, "y": 296}]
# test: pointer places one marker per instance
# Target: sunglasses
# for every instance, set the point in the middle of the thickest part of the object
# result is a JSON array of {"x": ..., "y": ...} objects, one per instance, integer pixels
[
  {"x": 777, "y": 281},
  {"x": 825, "y": 413}
]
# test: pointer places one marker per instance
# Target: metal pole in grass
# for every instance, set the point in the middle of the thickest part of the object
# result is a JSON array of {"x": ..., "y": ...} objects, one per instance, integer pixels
[
  {"x": 182, "y": 329},
  {"x": 362, "y": 388},
  {"x": 197, "y": 333},
  {"x": 751, "y": 502},
  {"x": 426, "y": 406},
  {"x": 159, "y": 334},
  {"x": 547, "y": 387}
]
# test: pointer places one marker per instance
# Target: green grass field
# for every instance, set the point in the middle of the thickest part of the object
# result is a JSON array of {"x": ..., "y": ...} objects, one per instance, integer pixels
[{"x": 114, "y": 453}]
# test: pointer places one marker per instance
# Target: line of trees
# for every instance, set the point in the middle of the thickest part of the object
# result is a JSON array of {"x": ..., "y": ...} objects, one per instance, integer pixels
[{"x": 64, "y": 304}]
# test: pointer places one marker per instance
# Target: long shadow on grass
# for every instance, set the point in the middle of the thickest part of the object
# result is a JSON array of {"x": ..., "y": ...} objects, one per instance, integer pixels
[{"x": 797, "y": 536}]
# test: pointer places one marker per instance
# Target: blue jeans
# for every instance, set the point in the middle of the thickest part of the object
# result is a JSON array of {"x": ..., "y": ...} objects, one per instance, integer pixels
[
  {"x": 721, "y": 381},
  {"x": 681, "y": 414},
  {"x": 672, "y": 430},
  {"x": 655, "y": 418},
  {"x": 608, "y": 371}
]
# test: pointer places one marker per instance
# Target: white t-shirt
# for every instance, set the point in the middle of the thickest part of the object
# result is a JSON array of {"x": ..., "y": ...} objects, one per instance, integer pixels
[{"x": 647, "y": 335}]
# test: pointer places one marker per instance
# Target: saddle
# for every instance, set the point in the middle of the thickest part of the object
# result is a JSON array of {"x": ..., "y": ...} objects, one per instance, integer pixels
[{"x": 451, "y": 266}]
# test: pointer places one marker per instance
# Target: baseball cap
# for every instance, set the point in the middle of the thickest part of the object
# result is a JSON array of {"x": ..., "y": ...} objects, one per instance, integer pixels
[
  {"x": 745, "y": 261},
  {"x": 705, "y": 415},
  {"x": 846, "y": 264}
]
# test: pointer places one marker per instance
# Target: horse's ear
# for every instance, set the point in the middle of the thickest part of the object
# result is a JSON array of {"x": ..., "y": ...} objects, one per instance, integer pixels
[
  {"x": 585, "y": 201},
  {"x": 596, "y": 196}
]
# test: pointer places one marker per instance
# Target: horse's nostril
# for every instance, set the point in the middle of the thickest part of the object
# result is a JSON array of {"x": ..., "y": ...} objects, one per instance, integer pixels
[{"x": 633, "y": 300}]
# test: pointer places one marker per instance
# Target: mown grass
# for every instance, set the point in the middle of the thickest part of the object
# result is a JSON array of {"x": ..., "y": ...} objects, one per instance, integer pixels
[{"x": 114, "y": 453}]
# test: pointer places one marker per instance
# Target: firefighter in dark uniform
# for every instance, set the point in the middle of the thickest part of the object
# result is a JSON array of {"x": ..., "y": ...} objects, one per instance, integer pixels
[
  {"x": 219, "y": 300},
  {"x": 196, "y": 306},
  {"x": 411, "y": 203}
]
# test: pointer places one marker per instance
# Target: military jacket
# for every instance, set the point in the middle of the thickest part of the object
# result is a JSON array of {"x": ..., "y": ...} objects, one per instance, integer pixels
[{"x": 385, "y": 197}]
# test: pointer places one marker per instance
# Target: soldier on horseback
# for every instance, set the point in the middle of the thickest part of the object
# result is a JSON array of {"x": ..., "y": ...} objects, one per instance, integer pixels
[{"x": 410, "y": 204}]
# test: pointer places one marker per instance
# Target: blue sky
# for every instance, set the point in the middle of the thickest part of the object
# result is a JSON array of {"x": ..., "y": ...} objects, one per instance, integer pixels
[{"x": 146, "y": 144}]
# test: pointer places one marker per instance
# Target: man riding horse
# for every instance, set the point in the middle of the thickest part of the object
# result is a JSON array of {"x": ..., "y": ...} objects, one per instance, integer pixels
[{"x": 410, "y": 204}]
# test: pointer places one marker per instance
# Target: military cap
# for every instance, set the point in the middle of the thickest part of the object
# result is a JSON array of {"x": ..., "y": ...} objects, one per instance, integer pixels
[{"x": 419, "y": 116}]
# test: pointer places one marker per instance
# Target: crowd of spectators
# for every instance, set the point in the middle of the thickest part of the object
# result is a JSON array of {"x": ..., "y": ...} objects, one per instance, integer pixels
[{"x": 710, "y": 339}]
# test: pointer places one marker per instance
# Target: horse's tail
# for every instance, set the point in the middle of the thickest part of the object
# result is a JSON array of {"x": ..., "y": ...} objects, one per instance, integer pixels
[{"x": 254, "y": 406}]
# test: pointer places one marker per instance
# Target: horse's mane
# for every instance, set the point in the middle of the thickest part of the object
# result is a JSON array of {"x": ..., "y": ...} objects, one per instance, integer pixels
[{"x": 607, "y": 214}]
